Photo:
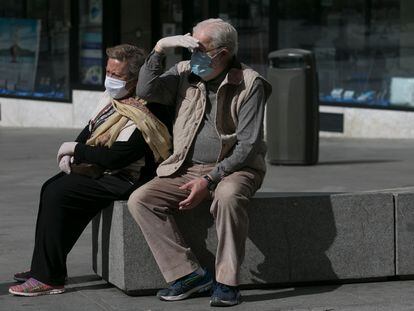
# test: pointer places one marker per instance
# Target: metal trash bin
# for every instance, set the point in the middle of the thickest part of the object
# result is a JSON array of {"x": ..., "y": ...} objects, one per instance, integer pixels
[{"x": 292, "y": 115}]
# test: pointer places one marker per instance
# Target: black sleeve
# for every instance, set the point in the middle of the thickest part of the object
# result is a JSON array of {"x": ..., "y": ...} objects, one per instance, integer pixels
[
  {"x": 84, "y": 135},
  {"x": 121, "y": 153},
  {"x": 164, "y": 113}
]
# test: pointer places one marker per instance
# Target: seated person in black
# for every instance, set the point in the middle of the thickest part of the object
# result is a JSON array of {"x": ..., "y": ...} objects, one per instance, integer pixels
[{"x": 114, "y": 154}]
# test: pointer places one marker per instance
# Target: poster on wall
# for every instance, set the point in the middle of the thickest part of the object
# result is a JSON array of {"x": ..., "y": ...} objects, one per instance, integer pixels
[
  {"x": 90, "y": 36},
  {"x": 91, "y": 57},
  {"x": 19, "y": 52}
]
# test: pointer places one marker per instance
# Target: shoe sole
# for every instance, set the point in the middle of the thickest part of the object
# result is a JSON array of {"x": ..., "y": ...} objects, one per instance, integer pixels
[
  {"x": 49, "y": 292},
  {"x": 199, "y": 289},
  {"x": 223, "y": 303}
]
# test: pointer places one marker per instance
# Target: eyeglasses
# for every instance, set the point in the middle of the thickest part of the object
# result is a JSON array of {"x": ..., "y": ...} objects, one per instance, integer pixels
[
  {"x": 219, "y": 47},
  {"x": 208, "y": 51}
]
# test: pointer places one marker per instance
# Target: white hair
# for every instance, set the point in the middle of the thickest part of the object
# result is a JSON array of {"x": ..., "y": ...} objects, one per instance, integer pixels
[{"x": 222, "y": 33}]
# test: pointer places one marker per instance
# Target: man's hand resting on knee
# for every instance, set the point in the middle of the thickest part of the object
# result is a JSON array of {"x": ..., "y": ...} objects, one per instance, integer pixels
[{"x": 198, "y": 192}]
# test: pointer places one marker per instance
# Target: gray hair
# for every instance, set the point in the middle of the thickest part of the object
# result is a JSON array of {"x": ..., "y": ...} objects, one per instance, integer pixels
[
  {"x": 129, "y": 53},
  {"x": 221, "y": 33}
]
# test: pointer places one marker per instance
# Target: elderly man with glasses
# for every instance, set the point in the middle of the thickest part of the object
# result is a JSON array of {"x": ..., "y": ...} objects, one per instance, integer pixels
[{"x": 218, "y": 155}]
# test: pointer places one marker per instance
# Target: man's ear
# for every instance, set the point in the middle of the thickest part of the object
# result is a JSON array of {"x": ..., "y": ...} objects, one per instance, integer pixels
[
  {"x": 226, "y": 56},
  {"x": 223, "y": 54}
]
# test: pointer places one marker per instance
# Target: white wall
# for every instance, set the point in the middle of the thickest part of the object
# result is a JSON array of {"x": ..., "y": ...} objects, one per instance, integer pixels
[
  {"x": 358, "y": 123},
  {"x": 373, "y": 123},
  {"x": 37, "y": 113}
]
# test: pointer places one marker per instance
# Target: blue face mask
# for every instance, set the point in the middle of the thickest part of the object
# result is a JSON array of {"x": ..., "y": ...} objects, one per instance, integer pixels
[{"x": 201, "y": 64}]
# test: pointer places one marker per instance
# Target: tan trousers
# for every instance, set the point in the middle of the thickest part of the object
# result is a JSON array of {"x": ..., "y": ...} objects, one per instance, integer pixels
[{"x": 151, "y": 206}]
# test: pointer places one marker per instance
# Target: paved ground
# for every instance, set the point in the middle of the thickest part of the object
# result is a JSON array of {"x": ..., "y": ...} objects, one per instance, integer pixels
[{"x": 27, "y": 158}]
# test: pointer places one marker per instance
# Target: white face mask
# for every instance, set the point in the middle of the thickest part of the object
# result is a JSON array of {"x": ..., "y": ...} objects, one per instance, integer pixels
[{"x": 116, "y": 87}]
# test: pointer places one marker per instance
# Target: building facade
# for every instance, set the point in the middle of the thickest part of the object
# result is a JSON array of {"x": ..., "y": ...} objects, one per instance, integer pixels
[{"x": 52, "y": 54}]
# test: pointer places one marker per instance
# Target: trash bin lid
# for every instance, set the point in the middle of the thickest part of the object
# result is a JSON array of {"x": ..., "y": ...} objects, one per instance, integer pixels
[
  {"x": 290, "y": 53},
  {"x": 292, "y": 58}
]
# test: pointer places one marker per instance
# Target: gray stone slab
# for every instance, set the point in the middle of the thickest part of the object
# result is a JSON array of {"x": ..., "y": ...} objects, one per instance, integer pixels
[
  {"x": 292, "y": 238},
  {"x": 404, "y": 215},
  {"x": 119, "y": 251},
  {"x": 323, "y": 237}
]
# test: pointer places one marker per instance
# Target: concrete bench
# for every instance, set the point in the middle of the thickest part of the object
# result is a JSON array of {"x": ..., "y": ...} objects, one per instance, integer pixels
[{"x": 293, "y": 237}]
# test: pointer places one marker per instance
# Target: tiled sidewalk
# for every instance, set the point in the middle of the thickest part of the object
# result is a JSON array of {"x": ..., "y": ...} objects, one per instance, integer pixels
[{"x": 27, "y": 159}]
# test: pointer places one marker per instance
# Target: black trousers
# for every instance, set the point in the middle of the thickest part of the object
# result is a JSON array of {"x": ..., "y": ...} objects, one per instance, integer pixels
[{"x": 67, "y": 204}]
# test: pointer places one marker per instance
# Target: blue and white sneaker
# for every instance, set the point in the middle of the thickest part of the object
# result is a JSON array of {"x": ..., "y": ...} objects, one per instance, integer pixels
[
  {"x": 186, "y": 286},
  {"x": 225, "y": 296}
]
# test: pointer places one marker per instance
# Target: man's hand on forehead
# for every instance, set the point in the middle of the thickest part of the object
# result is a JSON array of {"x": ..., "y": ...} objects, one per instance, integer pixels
[
  {"x": 205, "y": 43},
  {"x": 201, "y": 47},
  {"x": 186, "y": 41}
]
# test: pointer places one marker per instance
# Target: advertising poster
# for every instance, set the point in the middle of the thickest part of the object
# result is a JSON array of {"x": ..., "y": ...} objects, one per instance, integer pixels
[
  {"x": 19, "y": 52},
  {"x": 90, "y": 39},
  {"x": 91, "y": 57}
]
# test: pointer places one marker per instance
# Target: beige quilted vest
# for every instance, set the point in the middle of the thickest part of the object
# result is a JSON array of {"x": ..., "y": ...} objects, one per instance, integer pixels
[{"x": 190, "y": 107}]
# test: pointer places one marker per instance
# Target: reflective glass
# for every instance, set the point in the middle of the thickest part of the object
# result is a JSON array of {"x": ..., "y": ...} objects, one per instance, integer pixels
[
  {"x": 363, "y": 48},
  {"x": 34, "y": 48},
  {"x": 90, "y": 42},
  {"x": 251, "y": 19}
]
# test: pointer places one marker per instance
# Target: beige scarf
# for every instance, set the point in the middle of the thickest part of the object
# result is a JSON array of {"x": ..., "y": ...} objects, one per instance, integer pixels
[{"x": 155, "y": 132}]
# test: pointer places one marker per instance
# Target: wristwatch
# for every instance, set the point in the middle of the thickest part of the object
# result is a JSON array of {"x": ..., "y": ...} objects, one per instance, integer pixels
[{"x": 210, "y": 183}]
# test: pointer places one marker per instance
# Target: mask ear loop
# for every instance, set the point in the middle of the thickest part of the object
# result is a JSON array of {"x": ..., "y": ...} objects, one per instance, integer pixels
[
  {"x": 221, "y": 50},
  {"x": 215, "y": 55}
]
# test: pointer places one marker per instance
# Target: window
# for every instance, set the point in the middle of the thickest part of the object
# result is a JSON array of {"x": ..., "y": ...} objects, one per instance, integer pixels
[
  {"x": 251, "y": 20},
  {"x": 136, "y": 23},
  {"x": 363, "y": 48},
  {"x": 90, "y": 42},
  {"x": 171, "y": 15},
  {"x": 34, "y": 49}
]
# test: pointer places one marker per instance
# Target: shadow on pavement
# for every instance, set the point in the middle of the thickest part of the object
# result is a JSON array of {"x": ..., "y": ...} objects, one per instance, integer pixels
[
  {"x": 89, "y": 287},
  {"x": 84, "y": 279},
  {"x": 4, "y": 288},
  {"x": 356, "y": 162},
  {"x": 289, "y": 293},
  {"x": 86, "y": 282}
]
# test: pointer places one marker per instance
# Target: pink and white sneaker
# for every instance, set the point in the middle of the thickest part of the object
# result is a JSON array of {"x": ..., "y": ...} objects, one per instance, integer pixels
[{"x": 33, "y": 287}]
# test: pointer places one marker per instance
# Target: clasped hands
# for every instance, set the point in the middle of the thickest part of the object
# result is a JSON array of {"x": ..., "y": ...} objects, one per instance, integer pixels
[{"x": 65, "y": 156}]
